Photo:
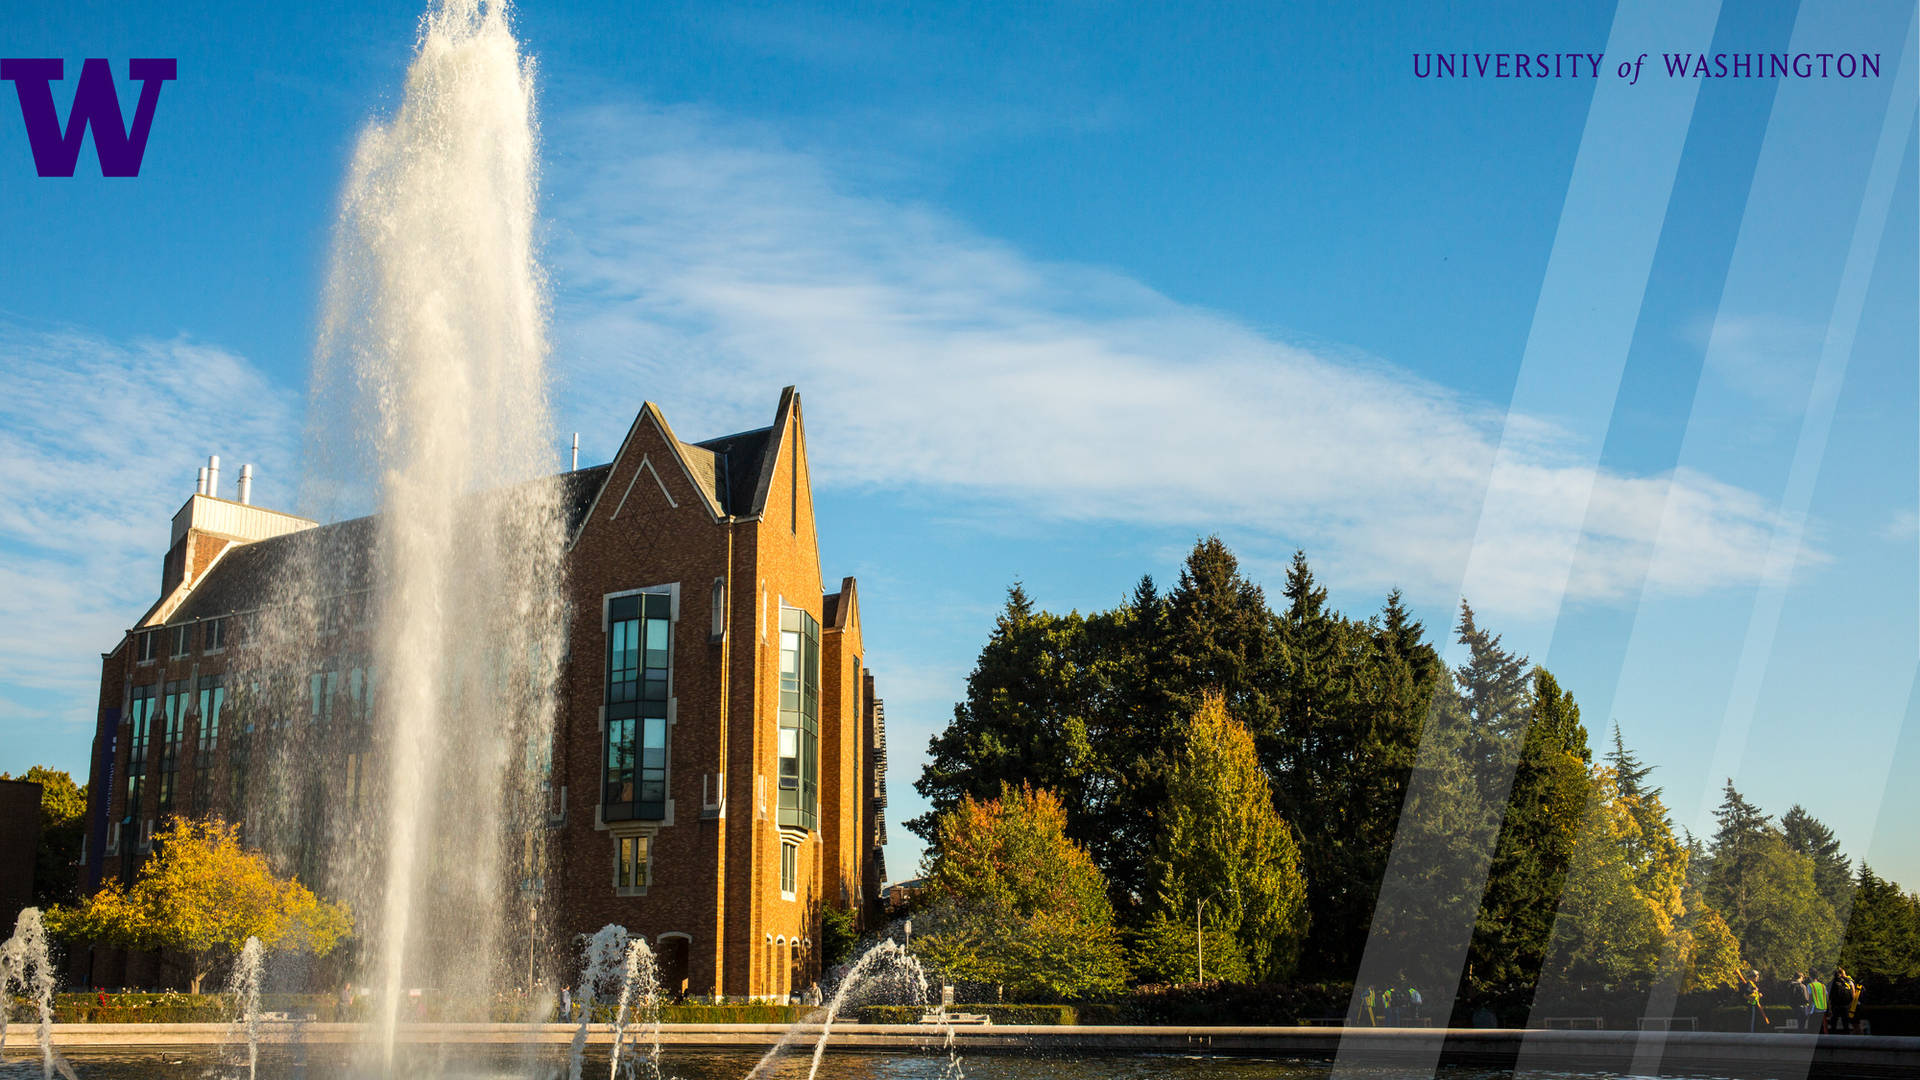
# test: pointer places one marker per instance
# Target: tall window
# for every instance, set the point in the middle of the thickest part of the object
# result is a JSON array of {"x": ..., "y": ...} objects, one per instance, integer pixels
[
  {"x": 639, "y": 640},
  {"x": 799, "y": 718},
  {"x": 140, "y": 717},
  {"x": 182, "y": 639},
  {"x": 322, "y": 688},
  {"x": 631, "y": 867},
  {"x": 246, "y": 701},
  {"x": 359, "y": 730},
  {"x": 174, "y": 712},
  {"x": 213, "y": 698},
  {"x": 147, "y": 645},
  {"x": 216, "y": 638},
  {"x": 789, "y": 870}
]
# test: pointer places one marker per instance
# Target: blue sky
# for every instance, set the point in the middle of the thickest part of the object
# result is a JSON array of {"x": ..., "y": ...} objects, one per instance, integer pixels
[{"x": 1066, "y": 286}]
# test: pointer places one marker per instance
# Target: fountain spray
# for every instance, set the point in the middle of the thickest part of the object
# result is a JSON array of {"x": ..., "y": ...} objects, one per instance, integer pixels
[
  {"x": 433, "y": 351},
  {"x": 26, "y": 963}
]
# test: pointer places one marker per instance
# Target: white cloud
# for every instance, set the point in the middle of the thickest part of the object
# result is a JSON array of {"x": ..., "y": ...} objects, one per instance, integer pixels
[
  {"x": 703, "y": 264},
  {"x": 99, "y": 444}
]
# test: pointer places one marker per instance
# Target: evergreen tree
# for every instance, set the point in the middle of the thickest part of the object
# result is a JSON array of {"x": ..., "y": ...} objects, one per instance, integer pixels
[
  {"x": 1883, "y": 934},
  {"x": 1136, "y": 728},
  {"x": 1832, "y": 870},
  {"x": 1548, "y": 801},
  {"x": 1627, "y": 767},
  {"x": 1219, "y": 637},
  {"x": 1765, "y": 890},
  {"x": 1350, "y": 700},
  {"x": 1024, "y": 720},
  {"x": 1452, "y": 817}
]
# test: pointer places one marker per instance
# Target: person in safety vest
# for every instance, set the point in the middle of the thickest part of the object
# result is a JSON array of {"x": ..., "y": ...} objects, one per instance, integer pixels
[
  {"x": 1817, "y": 1017},
  {"x": 1750, "y": 990},
  {"x": 1372, "y": 1000}
]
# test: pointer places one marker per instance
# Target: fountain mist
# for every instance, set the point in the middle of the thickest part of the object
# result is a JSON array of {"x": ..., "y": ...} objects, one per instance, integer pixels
[{"x": 432, "y": 354}]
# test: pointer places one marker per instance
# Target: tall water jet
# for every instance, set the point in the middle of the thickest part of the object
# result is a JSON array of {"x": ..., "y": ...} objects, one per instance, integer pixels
[
  {"x": 432, "y": 354},
  {"x": 26, "y": 964}
]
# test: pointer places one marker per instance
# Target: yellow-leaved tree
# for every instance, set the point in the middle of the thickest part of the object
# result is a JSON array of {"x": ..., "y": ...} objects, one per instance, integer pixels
[{"x": 203, "y": 895}]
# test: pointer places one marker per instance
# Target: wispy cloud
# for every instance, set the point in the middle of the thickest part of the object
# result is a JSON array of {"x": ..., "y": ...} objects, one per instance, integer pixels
[
  {"x": 703, "y": 263},
  {"x": 99, "y": 443}
]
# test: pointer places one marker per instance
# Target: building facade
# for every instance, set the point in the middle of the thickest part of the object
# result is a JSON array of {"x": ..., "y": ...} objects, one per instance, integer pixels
[{"x": 718, "y": 769}]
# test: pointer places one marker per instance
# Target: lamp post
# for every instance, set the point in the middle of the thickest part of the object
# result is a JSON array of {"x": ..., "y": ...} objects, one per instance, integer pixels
[
  {"x": 908, "y": 928},
  {"x": 1199, "y": 943}
]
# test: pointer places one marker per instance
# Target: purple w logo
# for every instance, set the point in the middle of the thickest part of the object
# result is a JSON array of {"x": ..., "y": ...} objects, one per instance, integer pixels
[{"x": 96, "y": 104}]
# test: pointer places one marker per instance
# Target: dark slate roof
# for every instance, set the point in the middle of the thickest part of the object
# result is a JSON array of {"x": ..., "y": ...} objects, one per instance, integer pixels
[
  {"x": 736, "y": 470},
  {"x": 341, "y": 553}
]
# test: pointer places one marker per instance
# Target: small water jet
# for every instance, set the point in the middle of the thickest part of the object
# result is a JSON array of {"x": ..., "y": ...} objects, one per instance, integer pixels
[
  {"x": 887, "y": 969},
  {"x": 620, "y": 968},
  {"x": 243, "y": 986},
  {"x": 26, "y": 964}
]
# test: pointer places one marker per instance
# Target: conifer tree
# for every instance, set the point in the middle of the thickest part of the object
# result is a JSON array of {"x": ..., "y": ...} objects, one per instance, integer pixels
[
  {"x": 1219, "y": 637},
  {"x": 1549, "y": 798},
  {"x": 1765, "y": 890},
  {"x": 1024, "y": 720},
  {"x": 1628, "y": 769},
  {"x": 1832, "y": 870}
]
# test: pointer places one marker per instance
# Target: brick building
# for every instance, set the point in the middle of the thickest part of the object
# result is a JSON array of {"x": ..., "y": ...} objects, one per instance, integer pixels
[
  {"x": 19, "y": 845},
  {"x": 718, "y": 771}
]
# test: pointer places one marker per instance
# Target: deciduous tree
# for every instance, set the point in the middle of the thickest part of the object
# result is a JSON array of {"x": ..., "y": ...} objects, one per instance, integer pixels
[
  {"x": 1223, "y": 846},
  {"x": 204, "y": 895},
  {"x": 1013, "y": 901}
]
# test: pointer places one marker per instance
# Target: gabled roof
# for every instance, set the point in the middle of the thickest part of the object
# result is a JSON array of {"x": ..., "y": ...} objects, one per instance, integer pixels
[
  {"x": 837, "y": 609},
  {"x": 339, "y": 554},
  {"x": 739, "y": 459}
]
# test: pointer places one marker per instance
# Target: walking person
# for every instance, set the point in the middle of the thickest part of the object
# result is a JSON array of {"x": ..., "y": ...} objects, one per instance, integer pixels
[
  {"x": 1802, "y": 1000},
  {"x": 1372, "y": 1001}
]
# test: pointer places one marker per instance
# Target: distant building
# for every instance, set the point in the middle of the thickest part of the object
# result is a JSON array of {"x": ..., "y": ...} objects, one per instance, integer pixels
[
  {"x": 718, "y": 765},
  {"x": 899, "y": 895},
  {"x": 19, "y": 840}
]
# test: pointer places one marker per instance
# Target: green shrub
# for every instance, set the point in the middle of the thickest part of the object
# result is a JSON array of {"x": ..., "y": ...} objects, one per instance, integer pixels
[
  {"x": 1891, "y": 1019},
  {"x": 1057, "y": 1015}
]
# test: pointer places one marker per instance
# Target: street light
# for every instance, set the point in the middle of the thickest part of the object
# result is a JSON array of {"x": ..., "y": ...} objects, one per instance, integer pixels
[{"x": 908, "y": 927}]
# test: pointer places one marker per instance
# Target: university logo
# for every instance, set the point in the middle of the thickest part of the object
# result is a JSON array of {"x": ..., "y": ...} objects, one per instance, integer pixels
[{"x": 96, "y": 104}]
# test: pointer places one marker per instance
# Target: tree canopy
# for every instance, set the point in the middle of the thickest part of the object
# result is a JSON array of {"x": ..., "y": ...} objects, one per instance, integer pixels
[
  {"x": 1013, "y": 901},
  {"x": 1222, "y": 846},
  {"x": 1506, "y": 856},
  {"x": 203, "y": 894},
  {"x": 63, "y": 817}
]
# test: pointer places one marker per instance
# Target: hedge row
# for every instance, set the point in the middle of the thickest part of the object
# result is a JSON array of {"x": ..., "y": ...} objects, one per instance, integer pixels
[{"x": 178, "y": 1008}]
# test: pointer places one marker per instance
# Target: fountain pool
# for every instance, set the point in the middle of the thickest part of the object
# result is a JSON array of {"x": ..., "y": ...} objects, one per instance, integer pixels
[{"x": 327, "y": 1063}]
